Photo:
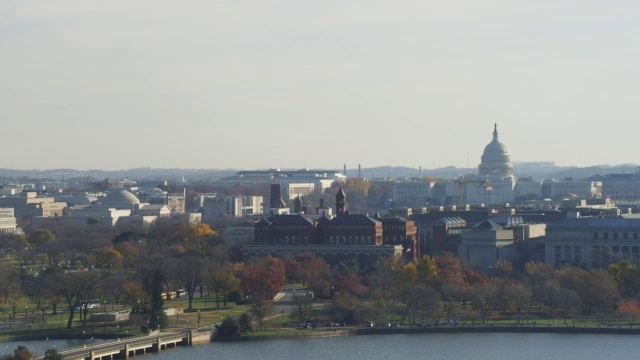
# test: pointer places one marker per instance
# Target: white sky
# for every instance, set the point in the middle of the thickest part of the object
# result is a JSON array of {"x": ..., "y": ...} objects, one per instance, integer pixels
[{"x": 292, "y": 83}]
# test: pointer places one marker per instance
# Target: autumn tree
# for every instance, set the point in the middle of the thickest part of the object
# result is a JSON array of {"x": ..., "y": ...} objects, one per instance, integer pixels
[
  {"x": 450, "y": 282},
  {"x": 484, "y": 298},
  {"x": 427, "y": 269},
  {"x": 315, "y": 274},
  {"x": 262, "y": 279},
  {"x": 629, "y": 310},
  {"x": 74, "y": 287},
  {"x": 189, "y": 273},
  {"x": 344, "y": 308},
  {"x": 536, "y": 276},
  {"x": 627, "y": 277}
]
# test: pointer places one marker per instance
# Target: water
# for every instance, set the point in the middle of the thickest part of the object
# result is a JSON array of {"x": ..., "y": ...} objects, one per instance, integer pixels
[
  {"x": 496, "y": 346},
  {"x": 39, "y": 347}
]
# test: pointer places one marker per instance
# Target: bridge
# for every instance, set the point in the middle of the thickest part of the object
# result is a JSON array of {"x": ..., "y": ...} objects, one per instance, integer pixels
[{"x": 139, "y": 345}]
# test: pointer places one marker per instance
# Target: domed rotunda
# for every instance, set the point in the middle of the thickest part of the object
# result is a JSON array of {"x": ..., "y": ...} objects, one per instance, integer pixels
[{"x": 495, "y": 160}]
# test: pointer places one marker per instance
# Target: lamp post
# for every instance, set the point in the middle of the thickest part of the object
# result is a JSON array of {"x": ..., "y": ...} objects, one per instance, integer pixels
[
  {"x": 26, "y": 309},
  {"x": 84, "y": 343},
  {"x": 158, "y": 326},
  {"x": 198, "y": 319}
]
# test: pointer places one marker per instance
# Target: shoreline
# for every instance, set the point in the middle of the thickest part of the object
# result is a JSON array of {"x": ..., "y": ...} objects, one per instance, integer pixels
[
  {"x": 442, "y": 330},
  {"x": 322, "y": 333}
]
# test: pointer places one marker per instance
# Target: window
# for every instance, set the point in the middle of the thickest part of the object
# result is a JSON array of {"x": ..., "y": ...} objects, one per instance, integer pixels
[
  {"x": 595, "y": 235},
  {"x": 615, "y": 236},
  {"x": 625, "y": 236},
  {"x": 605, "y": 235}
]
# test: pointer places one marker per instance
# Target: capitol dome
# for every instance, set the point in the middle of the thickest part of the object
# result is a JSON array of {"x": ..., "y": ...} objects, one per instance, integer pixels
[
  {"x": 495, "y": 159},
  {"x": 119, "y": 199}
]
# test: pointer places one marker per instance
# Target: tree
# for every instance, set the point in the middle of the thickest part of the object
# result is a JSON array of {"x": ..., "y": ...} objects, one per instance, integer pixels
[
  {"x": 502, "y": 268},
  {"x": 108, "y": 258},
  {"x": 74, "y": 287},
  {"x": 407, "y": 275},
  {"x": 189, "y": 272},
  {"x": 263, "y": 277},
  {"x": 40, "y": 237},
  {"x": 484, "y": 297},
  {"x": 244, "y": 324},
  {"x": 228, "y": 327},
  {"x": 629, "y": 310},
  {"x": 21, "y": 353},
  {"x": 427, "y": 269},
  {"x": 315, "y": 274},
  {"x": 450, "y": 282},
  {"x": 345, "y": 308},
  {"x": 52, "y": 354},
  {"x": 536, "y": 275},
  {"x": 136, "y": 297},
  {"x": 627, "y": 277},
  {"x": 260, "y": 308},
  {"x": 301, "y": 308}
]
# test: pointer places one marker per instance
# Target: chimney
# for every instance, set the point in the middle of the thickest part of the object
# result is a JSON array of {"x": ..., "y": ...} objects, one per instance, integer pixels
[{"x": 276, "y": 197}]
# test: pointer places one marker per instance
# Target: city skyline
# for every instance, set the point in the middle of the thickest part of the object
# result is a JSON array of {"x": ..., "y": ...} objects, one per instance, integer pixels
[{"x": 217, "y": 85}]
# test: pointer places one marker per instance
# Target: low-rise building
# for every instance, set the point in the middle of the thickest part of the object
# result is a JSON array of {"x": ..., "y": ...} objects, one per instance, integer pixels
[{"x": 592, "y": 242}]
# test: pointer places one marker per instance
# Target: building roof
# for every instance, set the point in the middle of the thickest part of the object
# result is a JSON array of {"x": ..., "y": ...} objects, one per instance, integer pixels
[
  {"x": 290, "y": 219},
  {"x": 390, "y": 219},
  {"x": 353, "y": 219},
  {"x": 488, "y": 225},
  {"x": 454, "y": 221},
  {"x": 118, "y": 197},
  {"x": 597, "y": 223},
  {"x": 471, "y": 217},
  {"x": 323, "y": 220}
]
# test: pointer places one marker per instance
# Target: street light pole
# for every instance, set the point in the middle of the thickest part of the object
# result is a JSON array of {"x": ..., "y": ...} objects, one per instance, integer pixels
[{"x": 198, "y": 318}]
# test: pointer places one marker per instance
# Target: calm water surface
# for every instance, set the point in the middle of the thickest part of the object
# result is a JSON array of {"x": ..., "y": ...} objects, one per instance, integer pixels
[
  {"x": 499, "y": 346},
  {"x": 422, "y": 346}
]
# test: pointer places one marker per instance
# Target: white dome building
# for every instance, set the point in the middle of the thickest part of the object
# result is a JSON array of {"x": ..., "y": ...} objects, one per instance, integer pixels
[
  {"x": 495, "y": 182},
  {"x": 119, "y": 199},
  {"x": 495, "y": 160}
]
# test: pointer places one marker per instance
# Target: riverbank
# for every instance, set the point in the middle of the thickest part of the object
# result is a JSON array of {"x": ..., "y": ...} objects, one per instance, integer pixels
[
  {"x": 604, "y": 330},
  {"x": 500, "y": 329}
]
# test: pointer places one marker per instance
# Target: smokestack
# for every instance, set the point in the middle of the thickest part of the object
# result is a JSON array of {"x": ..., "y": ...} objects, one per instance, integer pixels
[
  {"x": 344, "y": 169},
  {"x": 276, "y": 197},
  {"x": 359, "y": 172},
  {"x": 420, "y": 172}
]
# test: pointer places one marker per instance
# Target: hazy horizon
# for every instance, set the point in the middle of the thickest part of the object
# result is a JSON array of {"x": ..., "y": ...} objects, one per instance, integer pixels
[{"x": 112, "y": 84}]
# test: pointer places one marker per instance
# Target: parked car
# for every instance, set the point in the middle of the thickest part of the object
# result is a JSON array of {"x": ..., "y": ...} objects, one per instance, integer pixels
[
  {"x": 370, "y": 324},
  {"x": 423, "y": 323}
]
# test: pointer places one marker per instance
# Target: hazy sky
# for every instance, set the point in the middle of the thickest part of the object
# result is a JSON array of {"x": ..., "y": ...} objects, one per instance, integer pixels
[{"x": 248, "y": 84}]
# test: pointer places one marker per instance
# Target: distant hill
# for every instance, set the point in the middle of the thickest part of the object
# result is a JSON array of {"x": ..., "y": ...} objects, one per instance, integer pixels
[{"x": 538, "y": 170}]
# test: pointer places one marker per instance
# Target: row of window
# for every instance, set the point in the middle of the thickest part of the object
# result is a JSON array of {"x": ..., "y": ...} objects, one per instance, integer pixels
[
  {"x": 349, "y": 240},
  {"x": 615, "y": 235}
]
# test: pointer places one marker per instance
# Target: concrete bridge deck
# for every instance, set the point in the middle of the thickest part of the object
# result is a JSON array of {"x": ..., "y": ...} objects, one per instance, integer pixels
[{"x": 139, "y": 345}]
